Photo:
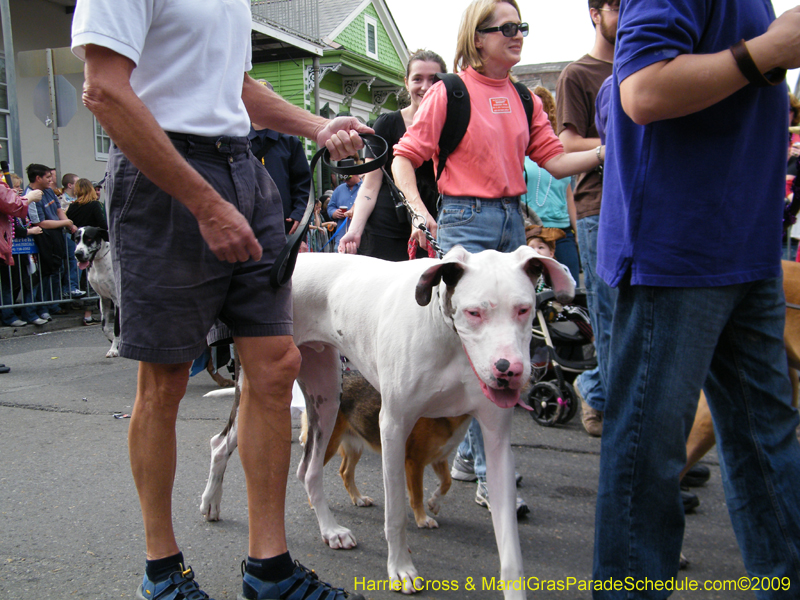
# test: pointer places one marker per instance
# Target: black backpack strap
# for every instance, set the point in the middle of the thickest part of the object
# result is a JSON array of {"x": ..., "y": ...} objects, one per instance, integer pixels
[
  {"x": 457, "y": 120},
  {"x": 527, "y": 100}
]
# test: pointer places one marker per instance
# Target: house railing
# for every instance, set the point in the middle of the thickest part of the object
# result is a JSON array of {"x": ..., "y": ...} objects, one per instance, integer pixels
[{"x": 299, "y": 17}]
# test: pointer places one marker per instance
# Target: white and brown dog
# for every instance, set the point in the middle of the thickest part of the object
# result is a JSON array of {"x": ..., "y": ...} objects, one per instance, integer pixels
[
  {"x": 437, "y": 338},
  {"x": 93, "y": 252}
]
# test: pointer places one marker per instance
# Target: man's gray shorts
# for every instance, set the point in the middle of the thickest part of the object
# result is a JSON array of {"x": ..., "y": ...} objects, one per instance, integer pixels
[{"x": 170, "y": 285}]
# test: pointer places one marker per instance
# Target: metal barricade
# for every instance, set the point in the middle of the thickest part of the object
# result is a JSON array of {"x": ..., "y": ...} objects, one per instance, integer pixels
[{"x": 22, "y": 285}]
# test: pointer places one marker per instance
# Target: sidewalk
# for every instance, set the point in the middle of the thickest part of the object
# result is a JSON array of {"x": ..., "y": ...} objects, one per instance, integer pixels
[{"x": 73, "y": 318}]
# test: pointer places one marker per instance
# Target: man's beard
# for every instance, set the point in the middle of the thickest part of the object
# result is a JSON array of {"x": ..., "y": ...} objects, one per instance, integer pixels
[{"x": 607, "y": 32}]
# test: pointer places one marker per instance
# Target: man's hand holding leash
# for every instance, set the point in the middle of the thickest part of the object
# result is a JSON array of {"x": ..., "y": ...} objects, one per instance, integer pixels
[{"x": 341, "y": 136}]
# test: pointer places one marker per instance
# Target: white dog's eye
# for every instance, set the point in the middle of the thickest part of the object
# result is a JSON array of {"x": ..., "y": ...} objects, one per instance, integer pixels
[
  {"x": 473, "y": 313},
  {"x": 524, "y": 311}
]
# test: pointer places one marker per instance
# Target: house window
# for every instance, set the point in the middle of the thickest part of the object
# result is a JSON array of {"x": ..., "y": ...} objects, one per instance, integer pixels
[
  {"x": 102, "y": 143},
  {"x": 372, "y": 37}
]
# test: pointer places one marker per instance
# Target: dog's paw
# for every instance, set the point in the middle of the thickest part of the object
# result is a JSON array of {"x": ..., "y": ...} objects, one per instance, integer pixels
[
  {"x": 409, "y": 577},
  {"x": 339, "y": 538},
  {"x": 363, "y": 501},
  {"x": 210, "y": 506},
  {"x": 209, "y": 511},
  {"x": 112, "y": 353},
  {"x": 435, "y": 504},
  {"x": 427, "y": 523}
]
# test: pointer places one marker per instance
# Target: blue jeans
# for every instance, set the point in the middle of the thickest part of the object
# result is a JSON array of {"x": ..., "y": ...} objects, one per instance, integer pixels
[
  {"x": 567, "y": 253},
  {"x": 478, "y": 224},
  {"x": 671, "y": 343},
  {"x": 600, "y": 299}
]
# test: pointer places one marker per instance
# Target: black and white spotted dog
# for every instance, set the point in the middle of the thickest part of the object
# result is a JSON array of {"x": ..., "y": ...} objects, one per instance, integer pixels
[{"x": 93, "y": 251}]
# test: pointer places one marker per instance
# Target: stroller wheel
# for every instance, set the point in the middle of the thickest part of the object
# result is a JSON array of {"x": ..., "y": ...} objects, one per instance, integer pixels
[
  {"x": 547, "y": 403},
  {"x": 572, "y": 403}
]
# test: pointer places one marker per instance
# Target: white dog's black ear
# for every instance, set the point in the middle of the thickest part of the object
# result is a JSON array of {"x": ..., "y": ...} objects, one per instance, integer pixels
[
  {"x": 560, "y": 278},
  {"x": 449, "y": 270},
  {"x": 102, "y": 234}
]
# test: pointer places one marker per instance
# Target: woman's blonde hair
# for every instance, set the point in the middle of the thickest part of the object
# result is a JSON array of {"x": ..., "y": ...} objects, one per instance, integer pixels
[
  {"x": 84, "y": 191},
  {"x": 548, "y": 103},
  {"x": 479, "y": 14}
]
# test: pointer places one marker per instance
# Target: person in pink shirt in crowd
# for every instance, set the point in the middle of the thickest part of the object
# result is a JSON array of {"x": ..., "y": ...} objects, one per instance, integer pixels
[{"x": 483, "y": 178}]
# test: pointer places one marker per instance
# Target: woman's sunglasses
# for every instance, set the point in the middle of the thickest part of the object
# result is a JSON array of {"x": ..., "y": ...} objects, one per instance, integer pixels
[{"x": 508, "y": 29}]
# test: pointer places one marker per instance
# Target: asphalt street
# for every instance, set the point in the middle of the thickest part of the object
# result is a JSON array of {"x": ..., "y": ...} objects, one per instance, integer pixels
[{"x": 70, "y": 524}]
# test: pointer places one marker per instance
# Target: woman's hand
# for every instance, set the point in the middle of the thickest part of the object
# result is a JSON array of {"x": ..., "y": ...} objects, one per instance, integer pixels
[
  {"x": 35, "y": 230},
  {"x": 349, "y": 243},
  {"x": 419, "y": 235}
]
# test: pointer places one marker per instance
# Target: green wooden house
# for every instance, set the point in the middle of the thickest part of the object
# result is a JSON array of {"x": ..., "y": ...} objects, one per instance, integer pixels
[{"x": 353, "y": 45}]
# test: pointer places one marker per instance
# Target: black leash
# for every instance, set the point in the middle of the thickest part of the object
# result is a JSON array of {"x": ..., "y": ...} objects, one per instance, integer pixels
[
  {"x": 284, "y": 265},
  {"x": 417, "y": 220}
]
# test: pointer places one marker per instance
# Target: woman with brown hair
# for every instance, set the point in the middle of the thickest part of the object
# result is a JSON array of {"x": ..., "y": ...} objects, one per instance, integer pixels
[
  {"x": 377, "y": 228},
  {"x": 87, "y": 211}
]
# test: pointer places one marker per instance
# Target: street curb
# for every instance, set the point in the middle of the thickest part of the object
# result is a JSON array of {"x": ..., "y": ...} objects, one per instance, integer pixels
[{"x": 59, "y": 323}]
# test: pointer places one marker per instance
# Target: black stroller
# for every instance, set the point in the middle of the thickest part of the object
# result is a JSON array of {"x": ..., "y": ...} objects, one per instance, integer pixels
[{"x": 561, "y": 348}]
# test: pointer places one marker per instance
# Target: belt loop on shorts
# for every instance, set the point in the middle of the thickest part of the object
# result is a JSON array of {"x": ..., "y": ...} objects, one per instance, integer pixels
[{"x": 477, "y": 205}]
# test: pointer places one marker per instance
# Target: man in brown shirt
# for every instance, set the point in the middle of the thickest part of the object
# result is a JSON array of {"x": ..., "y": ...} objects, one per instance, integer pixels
[{"x": 576, "y": 92}]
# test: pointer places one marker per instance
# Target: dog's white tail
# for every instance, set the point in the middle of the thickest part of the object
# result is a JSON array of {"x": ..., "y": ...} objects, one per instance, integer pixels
[
  {"x": 223, "y": 393},
  {"x": 298, "y": 401}
]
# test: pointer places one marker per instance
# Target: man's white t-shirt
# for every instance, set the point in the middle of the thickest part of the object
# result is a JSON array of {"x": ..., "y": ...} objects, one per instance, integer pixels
[{"x": 190, "y": 56}]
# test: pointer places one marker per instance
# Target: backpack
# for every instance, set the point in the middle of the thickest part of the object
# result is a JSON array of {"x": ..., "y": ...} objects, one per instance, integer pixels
[{"x": 458, "y": 114}]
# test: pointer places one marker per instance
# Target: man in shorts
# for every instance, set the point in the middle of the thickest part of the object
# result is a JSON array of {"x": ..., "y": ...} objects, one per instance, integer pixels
[{"x": 196, "y": 224}]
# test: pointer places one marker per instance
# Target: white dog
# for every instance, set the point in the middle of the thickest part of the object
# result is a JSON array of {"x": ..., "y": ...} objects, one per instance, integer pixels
[
  {"x": 93, "y": 251},
  {"x": 438, "y": 338}
]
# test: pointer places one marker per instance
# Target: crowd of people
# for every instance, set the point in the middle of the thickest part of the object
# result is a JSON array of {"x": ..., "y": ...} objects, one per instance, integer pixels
[
  {"x": 673, "y": 128},
  {"x": 39, "y": 276}
]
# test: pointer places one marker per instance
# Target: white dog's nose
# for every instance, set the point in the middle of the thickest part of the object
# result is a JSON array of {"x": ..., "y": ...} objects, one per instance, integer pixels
[{"x": 505, "y": 372}]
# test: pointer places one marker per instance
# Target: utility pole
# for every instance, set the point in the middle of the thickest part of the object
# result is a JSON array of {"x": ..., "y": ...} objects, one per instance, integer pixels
[{"x": 51, "y": 78}]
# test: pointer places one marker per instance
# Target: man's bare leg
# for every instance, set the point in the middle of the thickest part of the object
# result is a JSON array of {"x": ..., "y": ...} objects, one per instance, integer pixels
[
  {"x": 270, "y": 366},
  {"x": 152, "y": 449}
]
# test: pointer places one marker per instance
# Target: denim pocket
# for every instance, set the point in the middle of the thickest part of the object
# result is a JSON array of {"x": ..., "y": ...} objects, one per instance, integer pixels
[{"x": 453, "y": 215}]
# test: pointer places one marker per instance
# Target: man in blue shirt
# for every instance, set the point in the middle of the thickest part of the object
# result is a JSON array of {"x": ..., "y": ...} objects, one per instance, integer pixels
[
  {"x": 690, "y": 233},
  {"x": 52, "y": 243},
  {"x": 286, "y": 163},
  {"x": 344, "y": 196}
]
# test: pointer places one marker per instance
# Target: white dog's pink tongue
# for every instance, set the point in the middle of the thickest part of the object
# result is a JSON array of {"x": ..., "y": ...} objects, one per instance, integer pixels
[
  {"x": 504, "y": 398},
  {"x": 83, "y": 265}
]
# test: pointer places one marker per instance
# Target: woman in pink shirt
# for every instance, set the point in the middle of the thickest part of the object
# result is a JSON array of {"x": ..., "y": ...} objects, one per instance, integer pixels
[{"x": 483, "y": 177}]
